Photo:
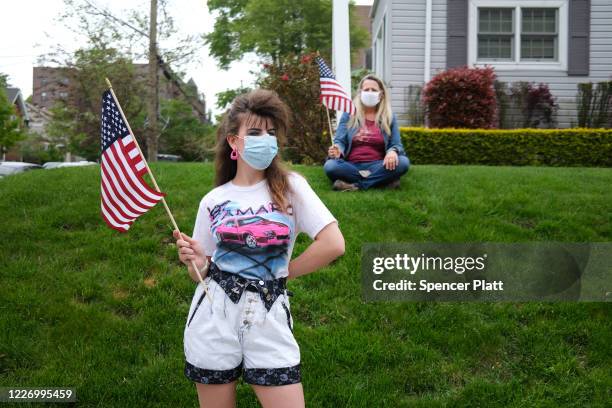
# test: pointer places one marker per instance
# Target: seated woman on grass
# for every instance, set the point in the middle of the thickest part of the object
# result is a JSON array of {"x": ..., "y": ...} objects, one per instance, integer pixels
[{"x": 367, "y": 149}]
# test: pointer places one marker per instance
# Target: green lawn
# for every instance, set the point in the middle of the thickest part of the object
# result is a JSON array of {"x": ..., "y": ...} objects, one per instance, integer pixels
[{"x": 82, "y": 305}]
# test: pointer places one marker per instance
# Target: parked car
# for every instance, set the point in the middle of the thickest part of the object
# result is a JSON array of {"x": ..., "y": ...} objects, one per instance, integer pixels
[
  {"x": 169, "y": 157},
  {"x": 55, "y": 165},
  {"x": 7, "y": 171},
  {"x": 77, "y": 164},
  {"x": 51, "y": 165},
  {"x": 13, "y": 167}
]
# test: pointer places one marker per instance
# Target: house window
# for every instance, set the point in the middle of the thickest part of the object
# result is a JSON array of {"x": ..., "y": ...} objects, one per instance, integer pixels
[
  {"x": 495, "y": 33},
  {"x": 518, "y": 34},
  {"x": 539, "y": 34},
  {"x": 63, "y": 95},
  {"x": 44, "y": 96}
]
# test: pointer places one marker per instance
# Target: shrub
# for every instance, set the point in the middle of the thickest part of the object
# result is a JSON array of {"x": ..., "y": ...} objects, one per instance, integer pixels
[
  {"x": 525, "y": 105},
  {"x": 516, "y": 147},
  {"x": 413, "y": 100},
  {"x": 461, "y": 97},
  {"x": 183, "y": 133},
  {"x": 296, "y": 80},
  {"x": 595, "y": 105},
  {"x": 356, "y": 76},
  {"x": 541, "y": 106},
  {"x": 35, "y": 149},
  {"x": 504, "y": 112},
  {"x": 535, "y": 103}
]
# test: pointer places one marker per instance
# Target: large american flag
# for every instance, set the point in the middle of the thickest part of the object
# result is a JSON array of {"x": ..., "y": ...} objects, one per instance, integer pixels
[
  {"x": 125, "y": 194},
  {"x": 332, "y": 94}
]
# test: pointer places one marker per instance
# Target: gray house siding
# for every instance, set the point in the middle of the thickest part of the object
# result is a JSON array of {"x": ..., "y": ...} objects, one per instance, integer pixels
[
  {"x": 407, "y": 51},
  {"x": 438, "y": 37},
  {"x": 405, "y": 62}
]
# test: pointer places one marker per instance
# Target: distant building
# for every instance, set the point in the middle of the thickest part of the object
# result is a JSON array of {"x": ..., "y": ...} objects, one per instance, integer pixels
[
  {"x": 169, "y": 90},
  {"x": 16, "y": 98},
  {"x": 52, "y": 84},
  {"x": 192, "y": 89},
  {"x": 39, "y": 117}
]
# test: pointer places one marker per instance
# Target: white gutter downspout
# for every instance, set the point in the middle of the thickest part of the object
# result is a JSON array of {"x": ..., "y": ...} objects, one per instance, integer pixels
[{"x": 427, "y": 68}]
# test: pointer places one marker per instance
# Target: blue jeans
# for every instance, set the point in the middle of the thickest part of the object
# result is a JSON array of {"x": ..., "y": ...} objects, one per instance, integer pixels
[{"x": 349, "y": 171}]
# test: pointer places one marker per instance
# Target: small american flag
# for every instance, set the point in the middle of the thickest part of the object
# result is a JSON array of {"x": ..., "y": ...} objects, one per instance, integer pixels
[
  {"x": 125, "y": 194},
  {"x": 332, "y": 94}
]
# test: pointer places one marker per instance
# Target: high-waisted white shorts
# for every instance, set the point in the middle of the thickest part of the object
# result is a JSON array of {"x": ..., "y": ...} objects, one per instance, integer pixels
[{"x": 225, "y": 339}]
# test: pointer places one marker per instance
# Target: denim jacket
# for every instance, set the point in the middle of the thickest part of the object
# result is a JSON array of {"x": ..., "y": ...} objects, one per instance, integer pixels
[{"x": 344, "y": 136}]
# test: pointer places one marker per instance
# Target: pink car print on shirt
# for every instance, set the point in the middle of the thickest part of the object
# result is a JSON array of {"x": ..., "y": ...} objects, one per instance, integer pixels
[{"x": 254, "y": 231}]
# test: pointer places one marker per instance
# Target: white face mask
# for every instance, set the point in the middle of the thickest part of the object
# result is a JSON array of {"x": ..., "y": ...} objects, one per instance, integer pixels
[{"x": 370, "y": 98}]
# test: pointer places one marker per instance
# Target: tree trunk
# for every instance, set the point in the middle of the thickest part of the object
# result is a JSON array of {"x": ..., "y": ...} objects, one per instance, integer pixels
[{"x": 153, "y": 101}]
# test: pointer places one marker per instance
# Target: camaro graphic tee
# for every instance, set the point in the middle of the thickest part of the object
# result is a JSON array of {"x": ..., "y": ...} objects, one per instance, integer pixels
[{"x": 245, "y": 233}]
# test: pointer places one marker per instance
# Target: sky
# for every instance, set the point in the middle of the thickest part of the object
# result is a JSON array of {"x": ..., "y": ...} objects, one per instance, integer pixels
[{"x": 29, "y": 28}]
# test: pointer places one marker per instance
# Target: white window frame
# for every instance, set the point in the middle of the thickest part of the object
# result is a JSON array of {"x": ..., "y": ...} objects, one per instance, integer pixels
[
  {"x": 562, "y": 30},
  {"x": 380, "y": 53}
]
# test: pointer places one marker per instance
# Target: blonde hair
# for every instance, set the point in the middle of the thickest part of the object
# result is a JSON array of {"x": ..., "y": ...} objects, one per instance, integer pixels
[{"x": 384, "y": 114}]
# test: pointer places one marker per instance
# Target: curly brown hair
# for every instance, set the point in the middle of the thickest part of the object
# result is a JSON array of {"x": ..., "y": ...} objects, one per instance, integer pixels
[{"x": 255, "y": 106}]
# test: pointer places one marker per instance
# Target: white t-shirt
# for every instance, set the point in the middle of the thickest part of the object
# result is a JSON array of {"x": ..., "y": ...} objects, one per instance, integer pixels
[{"x": 246, "y": 233}]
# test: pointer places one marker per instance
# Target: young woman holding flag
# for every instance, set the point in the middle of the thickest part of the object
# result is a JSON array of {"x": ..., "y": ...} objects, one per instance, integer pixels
[
  {"x": 367, "y": 150},
  {"x": 245, "y": 230}
]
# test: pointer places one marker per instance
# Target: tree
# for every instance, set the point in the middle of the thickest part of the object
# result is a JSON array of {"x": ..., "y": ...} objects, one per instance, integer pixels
[
  {"x": 79, "y": 118},
  {"x": 35, "y": 149},
  {"x": 159, "y": 41},
  {"x": 226, "y": 97},
  {"x": 274, "y": 29},
  {"x": 153, "y": 85},
  {"x": 10, "y": 131},
  {"x": 183, "y": 133},
  {"x": 129, "y": 31},
  {"x": 297, "y": 84},
  {"x": 63, "y": 130}
]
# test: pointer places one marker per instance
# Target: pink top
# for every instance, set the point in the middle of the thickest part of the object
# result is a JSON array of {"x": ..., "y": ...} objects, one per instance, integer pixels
[{"x": 368, "y": 144}]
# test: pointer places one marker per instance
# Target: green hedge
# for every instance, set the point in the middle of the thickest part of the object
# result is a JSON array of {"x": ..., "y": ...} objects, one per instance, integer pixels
[{"x": 515, "y": 147}]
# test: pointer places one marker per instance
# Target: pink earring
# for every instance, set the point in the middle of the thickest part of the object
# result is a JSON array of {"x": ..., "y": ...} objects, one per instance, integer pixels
[{"x": 234, "y": 154}]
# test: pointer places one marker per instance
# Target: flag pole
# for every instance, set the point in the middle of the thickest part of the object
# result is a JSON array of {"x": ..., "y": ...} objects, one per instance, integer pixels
[
  {"x": 195, "y": 268},
  {"x": 331, "y": 133}
]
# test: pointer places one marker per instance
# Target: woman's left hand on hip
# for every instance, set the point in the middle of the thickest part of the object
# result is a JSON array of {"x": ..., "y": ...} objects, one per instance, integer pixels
[{"x": 391, "y": 160}]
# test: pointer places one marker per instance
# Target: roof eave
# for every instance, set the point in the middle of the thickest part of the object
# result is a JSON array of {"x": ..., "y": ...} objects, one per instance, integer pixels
[{"x": 373, "y": 9}]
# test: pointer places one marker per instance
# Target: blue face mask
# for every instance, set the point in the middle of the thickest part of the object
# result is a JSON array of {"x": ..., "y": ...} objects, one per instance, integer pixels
[{"x": 259, "y": 151}]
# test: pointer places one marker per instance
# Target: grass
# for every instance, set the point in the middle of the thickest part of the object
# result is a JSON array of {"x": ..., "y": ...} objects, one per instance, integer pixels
[{"x": 84, "y": 306}]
